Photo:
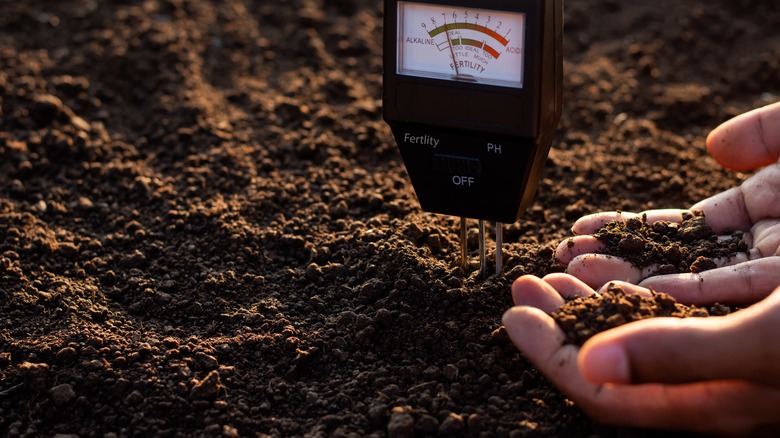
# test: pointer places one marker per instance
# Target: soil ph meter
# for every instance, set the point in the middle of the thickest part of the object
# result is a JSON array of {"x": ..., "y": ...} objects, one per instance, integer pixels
[{"x": 472, "y": 93}]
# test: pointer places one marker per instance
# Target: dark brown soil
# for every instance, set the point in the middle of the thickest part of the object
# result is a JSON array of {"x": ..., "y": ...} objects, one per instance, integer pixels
[
  {"x": 690, "y": 246},
  {"x": 206, "y": 228},
  {"x": 584, "y": 317}
]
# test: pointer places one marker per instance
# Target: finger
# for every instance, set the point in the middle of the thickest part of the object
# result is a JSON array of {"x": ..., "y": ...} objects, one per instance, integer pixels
[
  {"x": 722, "y": 408},
  {"x": 542, "y": 342},
  {"x": 532, "y": 291},
  {"x": 766, "y": 238},
  {"x": 762, "y": 194},
  {"x": 748, "y": 141},
  {"x": 741, "y": 345},
  {"x": 568, "y": 286},
  {"x": 668, "y": 215},
  {"x": 539, "y": 338},
  {"x": 575, "y": 246},
  {"x": 744, "y": 283},
  {"x": 725, "y": 211},
  {"x": 627, "y": 288},
  {"x": 657, "y": 350},
  {"x": 757, "y": 199},
  {"x": 590, "y": 223},
  {"x": 597, "y": 269}
]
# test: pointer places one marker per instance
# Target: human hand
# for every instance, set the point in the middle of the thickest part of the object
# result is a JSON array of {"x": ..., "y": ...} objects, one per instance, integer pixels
[
  {"x": 748, "y": 141},
  {"x": 707, "y": 375}
]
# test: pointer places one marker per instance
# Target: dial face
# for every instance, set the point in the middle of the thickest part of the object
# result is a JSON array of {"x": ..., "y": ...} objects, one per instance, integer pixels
[{"x": 458, "y": 44}]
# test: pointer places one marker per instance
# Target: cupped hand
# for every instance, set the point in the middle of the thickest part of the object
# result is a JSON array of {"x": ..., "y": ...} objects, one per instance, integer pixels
[
  {"x": 709, "y": 375},
  {"x": 742, "y": 279},
  {"x": 749, "y": 141}
]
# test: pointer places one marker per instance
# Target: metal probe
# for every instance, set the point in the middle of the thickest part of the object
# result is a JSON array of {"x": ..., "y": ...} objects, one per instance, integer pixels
[
  {"x": 482, "y": 258},
  {"x": 463, "y": 244},
  {"x": 482, "y": 247},
  {"x": 499, "y": 242}
]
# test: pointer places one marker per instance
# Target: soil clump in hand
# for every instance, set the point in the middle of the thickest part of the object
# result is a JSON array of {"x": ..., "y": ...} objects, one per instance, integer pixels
[
  {"x": 690, "y": 246},
  {"x": 584, "y": 317}
]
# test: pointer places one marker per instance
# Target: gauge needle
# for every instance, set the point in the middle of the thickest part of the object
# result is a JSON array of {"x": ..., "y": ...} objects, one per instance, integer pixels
[{"x": 452, "y": 51}]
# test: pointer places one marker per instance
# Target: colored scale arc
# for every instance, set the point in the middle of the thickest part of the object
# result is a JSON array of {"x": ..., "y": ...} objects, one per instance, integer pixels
[
  {"x": 470, "y": 42},
  {"x": 481, "y": 44}
]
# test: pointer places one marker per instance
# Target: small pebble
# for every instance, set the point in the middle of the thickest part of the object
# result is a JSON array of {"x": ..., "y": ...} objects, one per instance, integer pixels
[
  {"x": 62, "y": 394},
  {"x": 401, "y": 425},
  {"x": 208, "y": 387}
]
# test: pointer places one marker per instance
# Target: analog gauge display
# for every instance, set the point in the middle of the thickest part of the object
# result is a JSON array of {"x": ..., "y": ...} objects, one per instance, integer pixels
[{"x": 472, "y": 45}]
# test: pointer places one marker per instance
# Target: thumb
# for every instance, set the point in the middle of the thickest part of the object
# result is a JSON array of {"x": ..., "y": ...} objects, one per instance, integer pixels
[
  {"x": 748, "y": 141},
  {"x": 742, "y": 345}
]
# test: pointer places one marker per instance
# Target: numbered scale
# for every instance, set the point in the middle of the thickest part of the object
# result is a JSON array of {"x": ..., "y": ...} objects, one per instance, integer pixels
[
  {"x": 473, "y": 94},
  {"x": 471, "y": 45}
]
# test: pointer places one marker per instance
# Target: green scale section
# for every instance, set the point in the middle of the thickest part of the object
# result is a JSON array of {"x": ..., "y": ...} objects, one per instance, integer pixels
[{"x": 469, "y": 26}]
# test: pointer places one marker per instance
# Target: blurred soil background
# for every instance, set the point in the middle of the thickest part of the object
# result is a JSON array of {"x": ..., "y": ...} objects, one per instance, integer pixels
[{"x": 206, "y": 228}]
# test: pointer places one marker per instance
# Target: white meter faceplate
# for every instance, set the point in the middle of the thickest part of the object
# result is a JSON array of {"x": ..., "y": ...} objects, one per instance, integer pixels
[{"x": 467, "y": 44}]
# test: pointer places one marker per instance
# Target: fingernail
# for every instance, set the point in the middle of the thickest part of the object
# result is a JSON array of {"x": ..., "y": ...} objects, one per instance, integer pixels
[{"x": 605, "y": 364}]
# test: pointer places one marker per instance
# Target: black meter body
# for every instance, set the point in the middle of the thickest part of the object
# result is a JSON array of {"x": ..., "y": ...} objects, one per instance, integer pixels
[{"x": 472, "y": 93}]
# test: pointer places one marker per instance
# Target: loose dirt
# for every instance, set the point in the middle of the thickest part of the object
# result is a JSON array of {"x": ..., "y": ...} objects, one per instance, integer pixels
[
  {"x": 583, "y": 317},
  {"x": 206, "y": 228},
  {"x": 670, "y": 248}
]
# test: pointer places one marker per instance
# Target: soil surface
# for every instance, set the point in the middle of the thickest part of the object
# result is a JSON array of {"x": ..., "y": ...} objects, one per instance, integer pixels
[{"x": 206, "y": 228}]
